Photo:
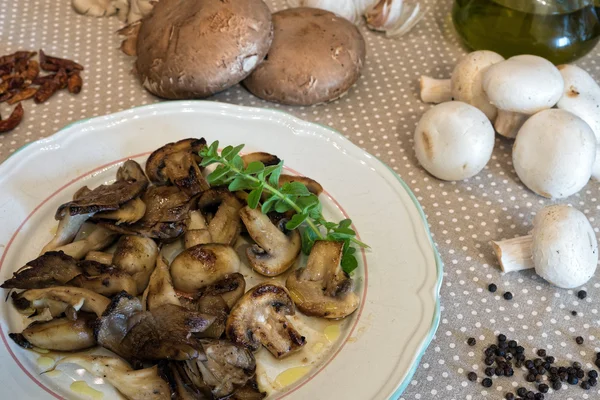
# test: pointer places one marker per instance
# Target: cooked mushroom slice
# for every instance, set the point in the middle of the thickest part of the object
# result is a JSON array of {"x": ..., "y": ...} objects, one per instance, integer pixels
[
  {"x": 274, "y": 251},
  {"x": 312, "y": 185},
  {"x": 104, "y": 279},
  {"x": 141, "y": 384},
  {"x": 100, "y": 257},
  {"x": 60, "y": 334},
  {"x": 265, "y": 158},
  {"x": 183, "y": 171},
  {"x": 222, "y": 366},
  {"x": 230, "y": 289},
  {"x": 137, "y": 256},
  {"x": 248, "y": 392},
  {"x": 54, "y": 268},
  {"x": 259, "y": 318},
  {"x": 128, "y": 213},
  {"x": 322, "y": 289},
  {"x": 164, "y": 333},
  {"x": 98, "y": 239},
  {"x": 203, "y": 265},
  {"x": 196, "y": 230},
  {"x": 67, "y": 229},
  {"x": 131, "y": 171},
  {"x": 225, "y": 225},
  {"x": 182, "y": 386},
  {"x": 156, "y": 164},
  {"x": 160, "y": 288},
  {"x": 65, "y": 296}
]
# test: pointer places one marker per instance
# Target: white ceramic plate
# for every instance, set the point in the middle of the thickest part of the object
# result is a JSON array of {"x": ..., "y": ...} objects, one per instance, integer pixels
[{"x": 379, "y": 346}]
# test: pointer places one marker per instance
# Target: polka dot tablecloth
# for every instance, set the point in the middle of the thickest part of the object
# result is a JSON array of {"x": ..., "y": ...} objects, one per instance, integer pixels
[{"x": 379, "y": 114}]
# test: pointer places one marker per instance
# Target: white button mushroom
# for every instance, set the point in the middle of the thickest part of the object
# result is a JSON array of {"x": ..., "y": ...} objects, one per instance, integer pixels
[
  {"x": 554, "y": 153},
  {"x": 582, "y": 97},
  {"x": 521, "y": 86},
  {"x": 465, "y": 84},
  {"x": 454, "y": 141},
  {"x": 562, "y": 248}
]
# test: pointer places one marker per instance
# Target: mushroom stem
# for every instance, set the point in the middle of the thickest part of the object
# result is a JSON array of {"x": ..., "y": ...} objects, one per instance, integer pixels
[
  {"x": 596, "y": 167},
  {"x": 508, "y": 123},
  {"x": 435, "y": 90},
  {"x": 68, "y": 227},
  {"x": 514, "y": 254}
]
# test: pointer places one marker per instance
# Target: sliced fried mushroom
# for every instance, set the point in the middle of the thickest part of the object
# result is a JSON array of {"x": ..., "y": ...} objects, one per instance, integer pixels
[
  {"x": 183, "y": 171},
  {"x": 61, "y": 297},
  {"x": 259, "y": 318},
  {"x": 274, "y": 251},
  {"x": 196, "y": 230},
  {"x": 265, "y": 158},
  {"x": 128, "y": 213},
  {"x": 312, "y": 185},
  {"x": 141, "y": 384},
  {"x": 203, "y": 265},
  {"x": 67, "y": 229},
  {"x": 160, "y": 289},
  {"x": 248, "y": 392},
  {"x": 98, "y": 239},
  {"x": 53, "y": 268},
  {"x": 164, "y": 333},
  {"x": 60, "y": 334},
  {"x": 100, "y": 257},
  {"x": 103, "y": 279},
  {"x": 137, "y": 256},
  {"x": 156, "y": 164},
  {"x": 225, "y": 225},
  {"x": 230, "y": 289},
  {"x": 322, "y": 288}
]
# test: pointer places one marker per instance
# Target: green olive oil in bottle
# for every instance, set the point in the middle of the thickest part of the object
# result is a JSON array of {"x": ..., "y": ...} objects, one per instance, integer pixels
[{"x": 559, "y": 30}]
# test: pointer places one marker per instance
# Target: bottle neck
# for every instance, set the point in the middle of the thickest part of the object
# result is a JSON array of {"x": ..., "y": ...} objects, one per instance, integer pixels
[{"x": 546, "y": 7}]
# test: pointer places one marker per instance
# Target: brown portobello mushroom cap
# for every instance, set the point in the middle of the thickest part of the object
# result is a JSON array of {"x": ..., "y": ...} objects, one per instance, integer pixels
[
  {"x": 316, "y": 57},
  {"x": 193, "y": 49}
]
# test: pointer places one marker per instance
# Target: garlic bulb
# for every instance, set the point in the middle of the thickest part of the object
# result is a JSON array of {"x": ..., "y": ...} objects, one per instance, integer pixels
[
  {"x": 352, "y": 10},
  {"x": 394, "y": 17}
]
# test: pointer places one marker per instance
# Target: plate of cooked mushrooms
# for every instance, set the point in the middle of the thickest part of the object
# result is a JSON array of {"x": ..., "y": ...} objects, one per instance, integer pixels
[{"x": 198, "y": 250}]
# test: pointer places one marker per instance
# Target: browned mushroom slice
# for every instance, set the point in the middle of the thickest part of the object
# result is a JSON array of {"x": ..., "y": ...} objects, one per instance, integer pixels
[
  {"x": 100, "y": 257},
  {"x": 98, "y": 239},
  {"x": 60, "y": 334},
  {"x": 104, "y": 279},
  {"x": 136, "y": 256},
  {"x": 128, "y": 213},
  {"x": 259, "y": 318},
  {"x": 322, "y": 288},
  {"x": 196, "y": 230},
  {"x": 60, "y": 298},
  {"x": 141, "y": 384},
  {"x": 183, "y": 171},
  {"x": 230, "y": 289},
  {"x": 156, "y": 164},
  {"x": 54, "y": 268},
  {"x": 248, "y": 392},
  {"x": 225, "y": 225},
  {"x": 164, "y": 333},
  {"x": 274, "y": 251},
  {"x": 265, "y": 158},
  {"x": 67, "y": 229},
  {"x": 203, "y": 265},
  {"x": 312, "y": 185},
  {"x": 222, "y": 366},
  {"x": 160, "y": 289}
]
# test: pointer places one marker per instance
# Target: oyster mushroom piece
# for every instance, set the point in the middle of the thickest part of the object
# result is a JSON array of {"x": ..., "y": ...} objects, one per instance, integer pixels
[
  {"x": 156, "y": 167},
  {"x": 322, "y": 288},
  {"x": 203, "y": 265},
  {"x": 53, "y": 268},
  {"x": 61, "y": 334},
  {"x": 67, "y": 229},
  {"x": 230, "y": 289},
  {"x": 104, "y": 279},
  {"x": 160, "y": 289},
  {"x": 225, "y": 225},
  {"x": 99, "y": 257},
  {"x": 196, "y": 230},
  {"x": 128, "y": 213},
  {"x": 136, "y": 256},
  {"x": 98, "y": 239},
  {"x": 65, "y": 296},
  {"x": 141, "y": 384},
  {"x": 259, "y": 318},
  {"x": 274, "y": 251}
]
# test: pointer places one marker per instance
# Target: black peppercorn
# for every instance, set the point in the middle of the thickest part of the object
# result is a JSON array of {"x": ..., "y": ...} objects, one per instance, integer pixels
[
  {"x": 530, "y": 395},
  {"x": 472, "y": 376},
  {"x": 541, "y": 353},
  {"x": 556, "y": 385},
  {"x": 489, "y": 361},
  {"x": 585, "y": 385},
  {"x": 509, "y": 372},
  {"x": 492, "y": 287},
  {"x": 501, "y": 338},
  {"x": 529, "y": 364},
  {"x": 573, "y": 380},
  {"x": 579, "y": 340},
  {"x": 509, "y": 396},
  {"x": 580, "y": 374},
  {"x": 593, "y": 374},
  {"x": 487, "y": 382},
  {"x": 538, "y": 362},
  {"x": 512, "y": 344},
  {"x": 577, "y": 365},
  {"x": 471, "y": 341},
  {"x": 582, "y": 294},
  {"x": 543, "y": 388},
  {"x": 530, "y": 377},
  {"x": 597, "y": 362},
  {"x": 541, "y": 370},
  {"x": 489, "y": 352},
  {"x": 538, "y": 396},
  {"x": 508, "y": 296},
  {"x": 521, "y": 391},
  {"x": 489, "y": 371},
  {"x": 553, "y": 371},
  {"x": 593, "y": 381},
  {"x": 520, "y": 349},
  {"x": 550, "y": 359},
  {"x": 574, "y": 313}
]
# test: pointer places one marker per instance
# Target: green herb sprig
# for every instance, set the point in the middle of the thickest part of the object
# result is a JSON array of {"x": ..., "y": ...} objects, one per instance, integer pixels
[{"x": 258, "y": 179}]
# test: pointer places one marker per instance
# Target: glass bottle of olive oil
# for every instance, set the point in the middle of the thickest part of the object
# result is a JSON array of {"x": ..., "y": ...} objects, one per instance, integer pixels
[{"x": 559, "y": 30}]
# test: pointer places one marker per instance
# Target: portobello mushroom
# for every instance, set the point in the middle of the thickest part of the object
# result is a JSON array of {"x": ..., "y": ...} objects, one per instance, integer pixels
[
  {"x": 141, "y": 384},
  {"x": 61, "y": 334},
  {"x": 274, "y": 251},
  {"x": 322, "y": 288},
  {"x": 259, "y": 318},
  {"x": 225, "y": 225},
  {"x": 164, "y": 333},
  {"x": 203, "y": 265}
]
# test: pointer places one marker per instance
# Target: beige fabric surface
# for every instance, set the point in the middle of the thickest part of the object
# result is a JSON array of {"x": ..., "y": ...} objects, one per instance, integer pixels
[{"x": 379, "y": 114}]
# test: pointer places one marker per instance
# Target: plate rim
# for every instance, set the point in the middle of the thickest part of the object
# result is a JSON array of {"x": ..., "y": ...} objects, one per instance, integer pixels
[{"x": 24, "y": 150}]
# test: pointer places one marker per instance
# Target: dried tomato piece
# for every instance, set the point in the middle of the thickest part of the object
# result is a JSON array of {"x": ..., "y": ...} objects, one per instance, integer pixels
[
  {"x": 13, "y": 120},
  {"x": 75, "y": 83},
  {"x": 50, "y": 87},
  {"x": 49, "y": 63}
]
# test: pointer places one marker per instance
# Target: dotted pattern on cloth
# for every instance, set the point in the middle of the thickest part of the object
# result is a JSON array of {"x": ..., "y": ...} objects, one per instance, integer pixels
[{"x": 379, "y": 114}]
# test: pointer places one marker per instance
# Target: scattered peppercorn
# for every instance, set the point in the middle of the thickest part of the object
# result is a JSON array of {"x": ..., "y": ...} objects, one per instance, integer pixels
[
  {"x": 487, "y": 382},
  {"x": 509, "y": 396},
  {"x": 585, "y": 385},
  {"x": 577, "y": 365},
  {"x": 471, "y": 341},
  {"x": 541, "y": 353},
  {"x": 492, "y": 287},
  {"x": 489, "y": 371},
  {"x": 582, "y": 294},
  {"x": 521, "y": 391},
  {"x": 593, "y": 374},
  {"x": 574, "y": 313},
  {"x": 556, "y": 385},
  {"x": 543, "y": 388},
  {"x": 579, "y": 340},
  {"x": 508, "y": 296},
  {"x": 501, "y": 338},
  {"x": 472, "y": 376},
  {"x": 573, "y": 380}
]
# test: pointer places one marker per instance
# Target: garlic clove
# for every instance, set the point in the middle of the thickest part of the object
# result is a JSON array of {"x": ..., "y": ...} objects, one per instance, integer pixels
[
  {"x": 349, "y": 9},
  {"x": 394, "y": 17}
]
